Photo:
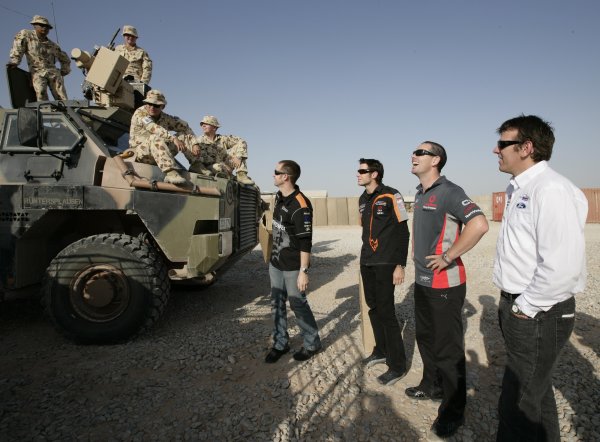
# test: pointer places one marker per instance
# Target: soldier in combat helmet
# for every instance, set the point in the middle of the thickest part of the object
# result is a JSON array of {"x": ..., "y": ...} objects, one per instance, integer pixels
[
  {"x": 42, "y": 54},
  {"x": 140, "y": 64},
  {"x": 223, "y": 152},
  {"x": 151, "y": 138}
]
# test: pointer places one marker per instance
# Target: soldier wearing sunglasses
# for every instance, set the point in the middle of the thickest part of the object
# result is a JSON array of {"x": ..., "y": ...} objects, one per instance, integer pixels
[
  {"x": 446, "y": 225},
  {"x": 42, "y": 55}
]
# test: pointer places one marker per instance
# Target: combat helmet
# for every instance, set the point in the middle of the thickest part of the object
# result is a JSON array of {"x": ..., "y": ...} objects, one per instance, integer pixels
[
  {"x": 209, "y": 119},
  {"x": 40, "y": 20},
  {"x": 154, "y": 96},
  {"x": 129, "y": 30}
]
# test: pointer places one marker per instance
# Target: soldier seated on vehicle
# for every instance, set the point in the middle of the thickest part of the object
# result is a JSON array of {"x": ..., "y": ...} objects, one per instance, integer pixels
[
  {"x": 151, "y": 139},
  {"x": 221, "y": 153}
]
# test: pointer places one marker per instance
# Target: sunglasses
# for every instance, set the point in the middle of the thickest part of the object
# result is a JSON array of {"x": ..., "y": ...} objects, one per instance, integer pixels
[
  {"x": 421, "y": 152},
  {"x": 279, "y": 172},
  {"x": 363, "y": 171},
  {"x": 502, "y": 144},
  {"x": 155, "y": 106}
]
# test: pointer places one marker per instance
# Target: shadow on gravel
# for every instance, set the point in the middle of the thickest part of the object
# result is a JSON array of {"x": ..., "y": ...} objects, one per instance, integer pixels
[
  {"x": 334, "y": 401},
  {"x": 405, "y": 312},
  {"x": 484, "y": 379},
  {"x": 574, "y": 376},
  {"x": 577, "y": 379}
]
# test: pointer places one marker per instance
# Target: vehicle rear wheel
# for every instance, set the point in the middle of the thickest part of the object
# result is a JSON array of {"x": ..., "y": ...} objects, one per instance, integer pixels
[{"x": 105, "y": 288}]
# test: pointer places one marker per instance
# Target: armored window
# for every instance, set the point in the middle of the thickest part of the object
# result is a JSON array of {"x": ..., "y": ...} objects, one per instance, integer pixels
[{"x": 58, "y": 135}]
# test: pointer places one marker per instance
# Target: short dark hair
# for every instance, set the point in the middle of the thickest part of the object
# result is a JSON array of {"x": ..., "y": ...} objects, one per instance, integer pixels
[
  {"x": 291, "y": 169},
  {"x": 374, "y": 166},
  {"x": 532, "y": 128},
  {"x": 439, "y": 151}
]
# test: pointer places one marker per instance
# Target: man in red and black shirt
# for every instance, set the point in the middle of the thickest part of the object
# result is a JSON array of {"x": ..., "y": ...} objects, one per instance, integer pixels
[
  {"x": 290, "y": 260},
  {"x": 441, "y": 210},
  {"x": 385, "y": 239}
]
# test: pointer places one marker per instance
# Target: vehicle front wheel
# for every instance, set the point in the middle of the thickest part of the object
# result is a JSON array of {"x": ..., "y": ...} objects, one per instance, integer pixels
[{"x": 105, "y": 288}]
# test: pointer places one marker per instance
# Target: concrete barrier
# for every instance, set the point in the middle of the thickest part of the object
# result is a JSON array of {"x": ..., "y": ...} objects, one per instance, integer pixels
[{"x": 343, "y": 211}]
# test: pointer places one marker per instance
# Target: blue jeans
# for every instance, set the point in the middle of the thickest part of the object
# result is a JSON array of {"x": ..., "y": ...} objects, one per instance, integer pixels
[
  {"x": 284, "y": 285},
  {"x": 527, "y": 409}
]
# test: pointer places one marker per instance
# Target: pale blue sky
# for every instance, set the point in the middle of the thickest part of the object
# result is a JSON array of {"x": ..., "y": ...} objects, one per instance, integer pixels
[{"x": 325, "y": 82}]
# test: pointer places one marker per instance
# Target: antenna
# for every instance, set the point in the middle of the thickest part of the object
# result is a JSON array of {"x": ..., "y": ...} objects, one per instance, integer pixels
[{"x": 55, "y": 23}]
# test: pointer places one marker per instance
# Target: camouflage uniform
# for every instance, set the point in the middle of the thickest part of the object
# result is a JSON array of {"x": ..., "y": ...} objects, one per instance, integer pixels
[
  {"x": 221, "y": 149},
  {"x": 140, "y": 64},
  {"x": 153, "y": 144},
  {"x": 41, "y": 58}
]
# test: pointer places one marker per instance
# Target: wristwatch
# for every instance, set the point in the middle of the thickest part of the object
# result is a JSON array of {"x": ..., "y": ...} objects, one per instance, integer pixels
[
  {"x": 304, "y": 269},
  {"x": 516, "y": 310},
  {"x": 445, "y": 258}
]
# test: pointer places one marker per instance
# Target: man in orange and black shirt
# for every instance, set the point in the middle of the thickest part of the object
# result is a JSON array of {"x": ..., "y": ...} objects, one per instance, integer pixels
[
  {"x": 385, "y": 238},
  {"x": 290, "y": 261}
]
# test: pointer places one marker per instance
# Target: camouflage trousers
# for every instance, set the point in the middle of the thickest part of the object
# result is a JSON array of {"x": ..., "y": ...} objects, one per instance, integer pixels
[
  {"x": 243, "y": 167},
  {"x": 52, "y": 79},
  {"x": 156, "y": 151},
  {"x": 240, "y": 152},
  {"x": 209, "y": 169}
]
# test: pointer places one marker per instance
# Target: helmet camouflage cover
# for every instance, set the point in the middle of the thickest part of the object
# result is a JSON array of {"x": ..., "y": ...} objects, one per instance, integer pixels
[
  {"x": 154, "y": 96},
  {"x": 40, "y": 20},
  {"x": 129, "y": 30},
  {"x": 209, "y": 119}
]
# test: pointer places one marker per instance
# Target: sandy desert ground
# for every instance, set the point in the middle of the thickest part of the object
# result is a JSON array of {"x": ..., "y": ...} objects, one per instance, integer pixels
[{"x": 199, "y": 374}]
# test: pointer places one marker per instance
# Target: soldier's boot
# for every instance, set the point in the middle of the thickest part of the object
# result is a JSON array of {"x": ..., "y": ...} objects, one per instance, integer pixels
[
  {"x": 243, "y": 178},
  {"x": 198, "y": 168},
  {"x": 174, "y": 177}
]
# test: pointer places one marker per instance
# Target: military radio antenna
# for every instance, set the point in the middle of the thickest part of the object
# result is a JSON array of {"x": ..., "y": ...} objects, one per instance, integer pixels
[{"x": 55, "y": 23}]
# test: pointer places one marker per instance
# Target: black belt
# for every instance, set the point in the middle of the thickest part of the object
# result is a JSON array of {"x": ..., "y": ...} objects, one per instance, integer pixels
[{"x": 509, "y": 296}]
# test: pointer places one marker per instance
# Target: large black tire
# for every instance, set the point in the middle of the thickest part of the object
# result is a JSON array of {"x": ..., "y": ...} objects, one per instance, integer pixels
[{"x": 105, "y": 288}]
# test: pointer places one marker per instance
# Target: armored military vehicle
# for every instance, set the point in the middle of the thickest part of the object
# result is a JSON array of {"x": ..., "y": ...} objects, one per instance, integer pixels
[{"x": 98, "y": 236}]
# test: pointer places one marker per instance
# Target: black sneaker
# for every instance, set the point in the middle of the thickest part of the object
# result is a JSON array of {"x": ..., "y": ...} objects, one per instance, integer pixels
[
  {"x": 443, "y": 428},
  {"x": 417, "y": 393},
  {"x": 390, "y": 377},
  {"x": 303, "y": 354},
  {"x": 374, "y": 359},
  {"x": 274, "y": 355}
]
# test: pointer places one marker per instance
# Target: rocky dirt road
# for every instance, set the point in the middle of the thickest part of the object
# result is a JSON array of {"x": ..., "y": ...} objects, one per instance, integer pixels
[{"x": 199, "y": 374}]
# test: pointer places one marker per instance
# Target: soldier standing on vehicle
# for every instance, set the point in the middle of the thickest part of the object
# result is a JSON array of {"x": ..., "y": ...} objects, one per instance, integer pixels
[
  {"x": 140, "y": 64},
  {"x": 151, "y": 137},
  {"x": 41, "y": 53},
  {"x": 218, "y": 149}
]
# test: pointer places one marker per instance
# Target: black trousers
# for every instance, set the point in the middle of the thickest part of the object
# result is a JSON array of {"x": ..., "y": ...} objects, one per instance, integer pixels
[
  {"x": 440, "y": 338},
  {"x": 527, "y": 408},
  {"x": 379, "y": 295}
]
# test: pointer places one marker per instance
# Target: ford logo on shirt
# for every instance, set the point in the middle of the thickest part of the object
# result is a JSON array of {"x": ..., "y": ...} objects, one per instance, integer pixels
[{"x": 521, "y": 205}]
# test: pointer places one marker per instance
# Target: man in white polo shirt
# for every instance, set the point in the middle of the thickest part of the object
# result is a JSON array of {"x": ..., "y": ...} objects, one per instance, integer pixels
[{"x": 539, "y": 267}]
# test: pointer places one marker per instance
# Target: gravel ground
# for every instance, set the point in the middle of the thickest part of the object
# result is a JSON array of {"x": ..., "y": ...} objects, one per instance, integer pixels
[{"x": 199, "y": 374}]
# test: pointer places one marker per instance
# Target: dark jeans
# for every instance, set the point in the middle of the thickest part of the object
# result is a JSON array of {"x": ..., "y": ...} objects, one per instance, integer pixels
[
  {"x": 379, "y": 296},
  {"x": 527, "y": 409},
  {"x": 284, "y": 285},
  {"x": 439, "y": 334}
]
